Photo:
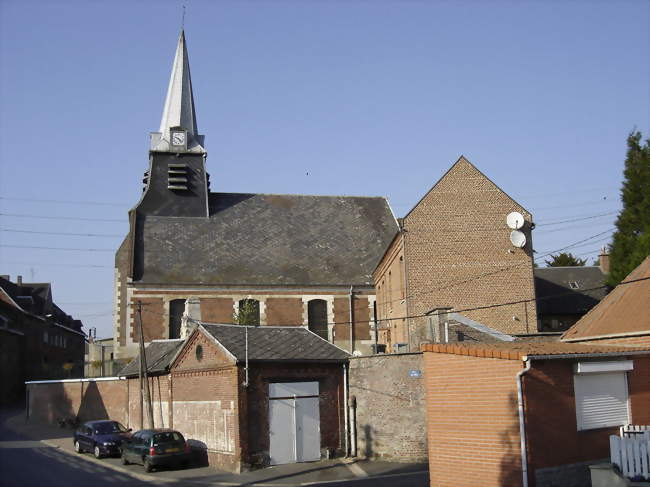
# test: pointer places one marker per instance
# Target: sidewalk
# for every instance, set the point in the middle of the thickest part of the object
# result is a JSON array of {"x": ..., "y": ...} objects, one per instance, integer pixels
[{"x": 325, "y": 472}]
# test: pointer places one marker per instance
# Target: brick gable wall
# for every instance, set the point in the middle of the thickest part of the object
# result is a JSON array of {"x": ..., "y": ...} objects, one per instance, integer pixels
[{"x": 458, "y": 254}]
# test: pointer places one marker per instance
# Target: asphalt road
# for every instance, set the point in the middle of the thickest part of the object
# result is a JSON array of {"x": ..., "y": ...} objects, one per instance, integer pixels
[{"x": 28, "y": 463}]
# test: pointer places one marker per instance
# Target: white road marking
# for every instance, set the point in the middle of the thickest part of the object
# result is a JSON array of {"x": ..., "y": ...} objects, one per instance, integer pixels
[{"x": 356, "y": 470}]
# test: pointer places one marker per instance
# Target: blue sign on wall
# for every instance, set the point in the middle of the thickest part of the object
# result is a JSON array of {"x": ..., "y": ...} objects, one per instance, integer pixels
[{"x": 415, "y": 373}]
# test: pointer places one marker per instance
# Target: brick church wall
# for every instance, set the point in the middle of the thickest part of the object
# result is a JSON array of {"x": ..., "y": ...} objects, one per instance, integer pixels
[{"x": 284, "y": 311}]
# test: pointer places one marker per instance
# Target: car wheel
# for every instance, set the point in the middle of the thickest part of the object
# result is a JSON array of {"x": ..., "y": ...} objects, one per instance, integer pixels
[
  {"x": 124, "y": 460},
  {"x": 77, "y": 447},
  {"x": 97, "y": 452},
  {"x": 147, "y": 466}
]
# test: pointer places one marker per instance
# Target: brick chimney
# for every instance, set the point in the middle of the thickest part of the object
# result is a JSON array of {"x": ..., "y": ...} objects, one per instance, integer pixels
[{"x": 603, "y": 260}]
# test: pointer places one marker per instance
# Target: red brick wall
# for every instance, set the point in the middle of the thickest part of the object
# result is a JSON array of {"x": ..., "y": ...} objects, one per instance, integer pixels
[
  {"x": 159, "y": 388},
  {"x": 217, "y": 310},
  {"x": 209, "y": 385},
  {"x": 154, "y": 324},
  {"x": 330, "y": 378},
  {"x": 361, "y": 318},
  {"x": 552, "y": 432},
  {"x": 88, "y": 400},
  {"x": 284, "y": 311},
  {"x": 472, "y": 421}
]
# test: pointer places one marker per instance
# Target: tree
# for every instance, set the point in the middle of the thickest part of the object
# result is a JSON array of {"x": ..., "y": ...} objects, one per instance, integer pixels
[
  {"x": 565, "y": 259},
  {"x": 631, "y": 241},
  {"x": 248, "y": 313}
]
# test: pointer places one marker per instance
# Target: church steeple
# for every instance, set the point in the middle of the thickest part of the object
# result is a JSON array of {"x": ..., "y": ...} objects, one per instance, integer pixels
[
  {"x": 176, "y": 183},
  {"x": 179, "y": 114}
]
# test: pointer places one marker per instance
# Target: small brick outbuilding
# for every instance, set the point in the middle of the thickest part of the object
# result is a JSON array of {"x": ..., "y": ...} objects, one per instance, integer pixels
[
  {"x": 497, "y": 410},
  {"x": 256, "y": 395}
]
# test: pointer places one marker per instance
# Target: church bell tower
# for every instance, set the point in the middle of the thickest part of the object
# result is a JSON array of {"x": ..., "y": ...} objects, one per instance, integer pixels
[{"x": 176, "y": 183}]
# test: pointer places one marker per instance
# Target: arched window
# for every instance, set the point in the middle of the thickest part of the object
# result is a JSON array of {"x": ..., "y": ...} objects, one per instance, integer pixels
[
  {"x": 176, "y": 309},
  {"x": 248, "y": 312},
  {"x": 317, "y": 317}
]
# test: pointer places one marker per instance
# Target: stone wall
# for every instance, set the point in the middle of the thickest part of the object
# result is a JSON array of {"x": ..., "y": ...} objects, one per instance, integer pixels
[{"x": 390, "y": 406}]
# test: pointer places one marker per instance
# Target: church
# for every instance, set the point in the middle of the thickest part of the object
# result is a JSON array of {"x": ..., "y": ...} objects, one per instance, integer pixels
[{"x": 311, "y": 261}]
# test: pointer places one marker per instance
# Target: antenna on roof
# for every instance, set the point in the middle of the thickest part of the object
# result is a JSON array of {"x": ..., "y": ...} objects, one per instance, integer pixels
[{"x": 183, "y": 19}]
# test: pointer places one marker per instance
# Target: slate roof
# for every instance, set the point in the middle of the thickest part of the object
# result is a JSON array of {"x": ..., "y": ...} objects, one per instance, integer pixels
[
  {"x": 520, "y": 350},
  {"x": 36, "y": 299},
  {"x": 554, "y": 293},
  {"x": 159, "y": 355},
  {"x": 275, "y": 343},
  {"x": 264, "y": 239},
  {"x": 623, "y": 312}
]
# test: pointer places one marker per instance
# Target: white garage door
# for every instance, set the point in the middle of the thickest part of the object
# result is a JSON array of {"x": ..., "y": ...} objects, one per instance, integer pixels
[{"x": 294, "y": 422}]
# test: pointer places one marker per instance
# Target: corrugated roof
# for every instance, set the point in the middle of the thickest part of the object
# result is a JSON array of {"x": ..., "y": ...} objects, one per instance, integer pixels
[
  {"x": 568, "y": 290},
  {"x": 261, "y": 239},
  {"x": 520, "y": 350},
  {"x": 624, "y": 311},
  {"x": 275, "y": 343},
  {"x": 159, "y": 355}
]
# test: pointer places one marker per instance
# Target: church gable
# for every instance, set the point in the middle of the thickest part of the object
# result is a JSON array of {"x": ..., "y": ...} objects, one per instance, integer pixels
[{"x": 201, "y": 352}]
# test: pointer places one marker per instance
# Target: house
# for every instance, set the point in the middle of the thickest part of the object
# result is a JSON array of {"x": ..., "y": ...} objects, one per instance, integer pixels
[
  {"x": 291, "y": 259},
  {"x": 453, "y": 251},
  {"x": 529, "y": 414},
  {"x": 622, "y": 317},
  {"x": 566, "y": 294},
  {"x": 38, "y": 339}
]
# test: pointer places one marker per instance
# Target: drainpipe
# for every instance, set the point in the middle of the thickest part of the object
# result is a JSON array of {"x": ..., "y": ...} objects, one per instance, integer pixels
[
  {"x": 351, "y": 320},
  {"x": 353, "y": 426},
  {"x": 246, "y": 349},
  {"x": 522, "y": 423},
  {"x": 345, "y": 408}
]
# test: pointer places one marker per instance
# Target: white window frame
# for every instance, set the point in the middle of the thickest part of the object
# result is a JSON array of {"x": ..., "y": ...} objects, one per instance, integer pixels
[{"x": 598, "y": 369}]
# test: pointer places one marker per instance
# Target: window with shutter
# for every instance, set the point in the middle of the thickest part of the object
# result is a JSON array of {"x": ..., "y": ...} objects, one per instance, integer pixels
[{"x": 601, "y": 400}]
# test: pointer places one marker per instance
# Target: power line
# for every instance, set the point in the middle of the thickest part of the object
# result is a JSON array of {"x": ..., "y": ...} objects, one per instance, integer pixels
[
  {"x": 576, "y": 219},
  {"x": 64, "y": 218},
  {"x": 36, "y": 264},
  {"x": 56, "y": 248},
  {"x": 64, "y": 202},
  {"x": 62, "y": 233}
]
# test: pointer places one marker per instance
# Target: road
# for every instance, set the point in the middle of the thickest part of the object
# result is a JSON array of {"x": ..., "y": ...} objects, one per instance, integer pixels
[{"x": 25, "y": 462}]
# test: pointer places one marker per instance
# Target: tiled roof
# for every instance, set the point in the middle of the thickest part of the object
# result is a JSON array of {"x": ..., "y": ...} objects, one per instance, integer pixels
[
  {"x": 262, "y": 239},
  {"x": 568, "y": 290},
  {"x": 275, "y": 343},
  {"x": 520, "y": 350},
  {"x": 623, "y": 312},
  {"x": 159, "y": 355}
]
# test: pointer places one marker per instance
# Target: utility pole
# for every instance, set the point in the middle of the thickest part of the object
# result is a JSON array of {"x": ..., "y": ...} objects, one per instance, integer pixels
[{"x": 143, "y": 374}]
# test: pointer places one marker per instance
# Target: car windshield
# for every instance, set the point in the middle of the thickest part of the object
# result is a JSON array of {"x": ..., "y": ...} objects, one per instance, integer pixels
[
  {"x": 167, "y": 437},
  {"x": 109, "y": 427}
]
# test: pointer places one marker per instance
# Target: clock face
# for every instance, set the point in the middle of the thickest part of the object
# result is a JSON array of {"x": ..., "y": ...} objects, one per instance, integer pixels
[{"x": 178, "y": 138}]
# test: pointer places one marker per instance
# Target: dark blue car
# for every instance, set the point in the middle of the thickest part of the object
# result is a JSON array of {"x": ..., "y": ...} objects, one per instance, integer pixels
[{"x": 103, "y": 438}]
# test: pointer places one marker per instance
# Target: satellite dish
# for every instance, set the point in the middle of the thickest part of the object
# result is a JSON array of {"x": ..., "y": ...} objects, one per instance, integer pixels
[
  {"x": 517, "y": 238},
  {"x": 515, "y": 220}
]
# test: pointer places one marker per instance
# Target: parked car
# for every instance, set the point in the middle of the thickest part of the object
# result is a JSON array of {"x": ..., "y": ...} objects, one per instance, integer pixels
[
  {"x": 103, "y": 437},
  {"x": 155, "y": 448}
]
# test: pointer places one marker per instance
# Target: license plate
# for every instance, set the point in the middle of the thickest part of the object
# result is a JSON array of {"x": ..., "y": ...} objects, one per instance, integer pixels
[{"x": 172, "y": 450}]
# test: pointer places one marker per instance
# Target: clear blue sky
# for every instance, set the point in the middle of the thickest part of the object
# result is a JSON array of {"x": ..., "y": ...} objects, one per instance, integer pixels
[{"x": 315, "y": 97}]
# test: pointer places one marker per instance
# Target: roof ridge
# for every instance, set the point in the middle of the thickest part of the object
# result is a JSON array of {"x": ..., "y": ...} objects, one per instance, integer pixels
[{"x": 301, "y": 194}]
